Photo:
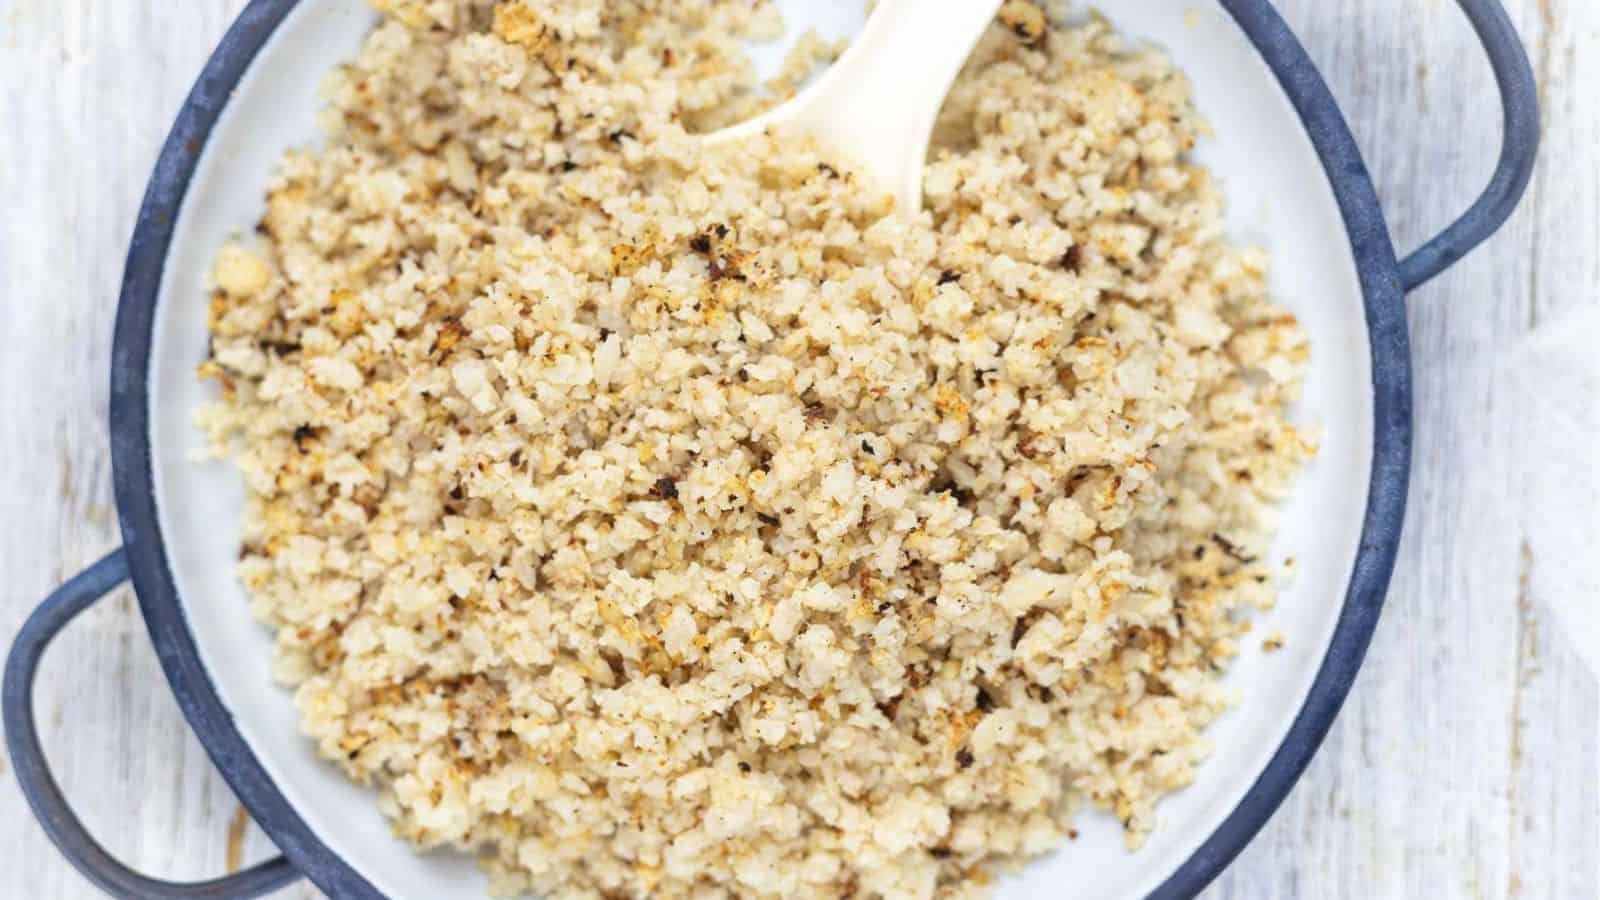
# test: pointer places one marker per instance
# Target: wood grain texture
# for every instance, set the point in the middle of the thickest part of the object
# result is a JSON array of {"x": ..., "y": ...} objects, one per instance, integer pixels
[{"x": 1464, "y": 763}]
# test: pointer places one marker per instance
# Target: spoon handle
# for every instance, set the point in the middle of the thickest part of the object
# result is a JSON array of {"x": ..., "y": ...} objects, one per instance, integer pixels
[{"x": 877, "y": 105}]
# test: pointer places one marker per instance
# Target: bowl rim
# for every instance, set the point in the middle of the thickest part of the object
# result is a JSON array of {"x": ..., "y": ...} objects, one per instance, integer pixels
[{"x": 1383, "y": 297}]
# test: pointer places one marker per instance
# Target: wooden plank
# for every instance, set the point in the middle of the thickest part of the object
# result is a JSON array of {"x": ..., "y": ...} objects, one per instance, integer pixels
[
  {"x": 1454, "y": 768},
  {"x": 1464, "y": 764},
  {"x": 89, "y": 89},
  {"x": 1552, "y": 796}
]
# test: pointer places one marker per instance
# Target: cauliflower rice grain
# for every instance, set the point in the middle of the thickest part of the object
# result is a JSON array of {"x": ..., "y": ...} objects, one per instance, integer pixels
[{"x": 657, "y": 521}]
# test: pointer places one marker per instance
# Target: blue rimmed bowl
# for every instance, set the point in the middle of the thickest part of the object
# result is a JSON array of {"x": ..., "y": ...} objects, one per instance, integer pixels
[{"x": 1296, "y": 185}]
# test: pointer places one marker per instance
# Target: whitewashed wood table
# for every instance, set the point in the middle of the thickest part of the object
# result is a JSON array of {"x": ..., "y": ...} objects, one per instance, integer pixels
[{"x": 1464, "y": 763}]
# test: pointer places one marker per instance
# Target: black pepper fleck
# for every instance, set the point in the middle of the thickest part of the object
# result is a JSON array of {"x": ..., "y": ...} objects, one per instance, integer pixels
[
  {"x": 985, "y": 702},
  {"x": 665, "y": 489},
  {"x": 964, "y": 758},
  {"x": 1232, "y": 549},
  {"x": 1072, "y": 260}
]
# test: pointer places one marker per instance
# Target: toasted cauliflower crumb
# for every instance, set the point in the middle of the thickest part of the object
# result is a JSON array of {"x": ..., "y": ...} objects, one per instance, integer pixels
[
  {"x": 241, "y": 273},
  {"x": 662, "y": 521}
]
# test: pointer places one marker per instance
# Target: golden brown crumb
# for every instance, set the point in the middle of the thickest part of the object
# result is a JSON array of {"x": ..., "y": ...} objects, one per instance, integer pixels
[
  {"x": 516, "y": 23},
  {"x": 1025, "y": 20}
]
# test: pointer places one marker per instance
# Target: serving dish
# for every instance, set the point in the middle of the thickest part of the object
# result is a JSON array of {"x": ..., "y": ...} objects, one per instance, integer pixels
[{"x": 1296, "y": 184}]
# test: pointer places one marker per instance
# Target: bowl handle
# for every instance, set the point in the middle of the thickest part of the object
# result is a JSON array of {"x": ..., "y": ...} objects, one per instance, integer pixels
[
  {"x": 39, "y": 786},
  {"x": 1519, "y": 101}
]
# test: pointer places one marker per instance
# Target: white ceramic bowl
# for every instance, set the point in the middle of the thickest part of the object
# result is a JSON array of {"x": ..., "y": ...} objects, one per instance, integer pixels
[{"x": 1278, "y": 198}]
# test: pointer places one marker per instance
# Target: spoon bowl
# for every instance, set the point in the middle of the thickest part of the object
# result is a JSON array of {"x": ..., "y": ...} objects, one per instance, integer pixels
[{"x": 875, "y": 108}]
